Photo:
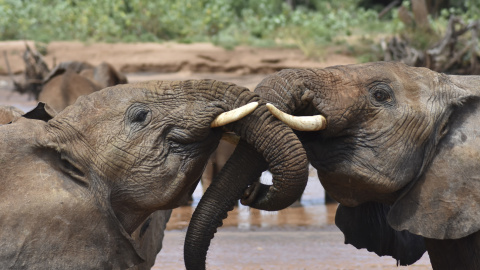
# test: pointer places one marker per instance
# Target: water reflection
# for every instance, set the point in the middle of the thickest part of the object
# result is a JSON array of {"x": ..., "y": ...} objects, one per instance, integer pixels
[
  {"x": 311, "y": 212},
  {"x": 245, "y": 218}
]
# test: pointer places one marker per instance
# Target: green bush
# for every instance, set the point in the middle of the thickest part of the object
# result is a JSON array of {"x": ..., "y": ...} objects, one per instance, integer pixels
[
  {"x": 191, "y": 20},
  {"x": 314, "y": 26}
]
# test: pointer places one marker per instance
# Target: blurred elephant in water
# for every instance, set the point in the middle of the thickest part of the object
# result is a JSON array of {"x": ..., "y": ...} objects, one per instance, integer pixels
[
  {"x": 400, "y": 152},
  {"x": 92, "y": 174},
  {"x": 69, "y": 80}
]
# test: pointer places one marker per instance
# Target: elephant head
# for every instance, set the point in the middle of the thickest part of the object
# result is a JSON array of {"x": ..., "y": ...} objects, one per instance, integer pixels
[
  {"x": 104, "y": 75},
  {"x": 399, "y": 150},
  {"x": 69, "y": 80},
  {"x": 75, "y": 185}
]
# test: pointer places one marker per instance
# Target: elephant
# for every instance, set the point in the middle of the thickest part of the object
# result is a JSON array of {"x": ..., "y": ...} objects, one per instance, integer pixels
[
  {"x": 103, "y": 75},
  {"x": 69, "y": 80},
  {"x": 400, "y": 154},
  {"x": 9, "y": 114},
  {"x": 61, "y": 88},
  {"x": 148, "y": 237},
  {"x": 77, "y": 184}
]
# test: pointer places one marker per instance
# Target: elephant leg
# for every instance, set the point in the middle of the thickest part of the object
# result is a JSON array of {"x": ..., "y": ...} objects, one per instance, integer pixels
[
  {"x": 455, "y": 254},
  {"x": 209, "y": 173},
  {"x": 216, "y": 162}
]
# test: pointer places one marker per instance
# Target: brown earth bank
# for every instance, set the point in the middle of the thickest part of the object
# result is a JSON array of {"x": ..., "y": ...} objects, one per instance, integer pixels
[{"x": 169, "y": 57}]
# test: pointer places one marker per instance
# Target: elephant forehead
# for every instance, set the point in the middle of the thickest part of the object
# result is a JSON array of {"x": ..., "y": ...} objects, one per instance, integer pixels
[
  {"x": 411, "y": 85},
  {"x": 378, "y": 70},
  {"x": 118, "y": 98},
  {"x": 109, "y": 104}
]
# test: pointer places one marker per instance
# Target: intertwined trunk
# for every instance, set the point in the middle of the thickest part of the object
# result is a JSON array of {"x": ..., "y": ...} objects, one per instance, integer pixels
[{"x": 266, "y": 143}]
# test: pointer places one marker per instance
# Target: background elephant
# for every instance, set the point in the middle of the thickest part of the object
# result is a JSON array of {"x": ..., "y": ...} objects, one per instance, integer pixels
[
  {"x": 69, "y": 80},
  {"x": 400, "y": 153},
  {"x": 9, "y": 114},
  {"x": 93, "y": 173},
  {"x": 61, "y": 92},
  {"x": 216, "y": 162}
]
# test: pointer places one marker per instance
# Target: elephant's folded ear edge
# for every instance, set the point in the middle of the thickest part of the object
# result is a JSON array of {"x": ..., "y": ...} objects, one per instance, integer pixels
[
  {"x": 41, "y": 112},
  {"x": 365, "y": 226}
]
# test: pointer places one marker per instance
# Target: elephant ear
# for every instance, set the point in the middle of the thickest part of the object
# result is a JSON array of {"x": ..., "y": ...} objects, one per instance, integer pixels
[
  {"x": 444, "y": 203},
  {"x": 365, "y": 226},
  {"x": 41, "y": 112}
]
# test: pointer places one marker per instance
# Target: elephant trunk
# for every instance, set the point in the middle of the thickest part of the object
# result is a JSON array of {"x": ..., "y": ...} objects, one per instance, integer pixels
[
  {"x": 289, "y": 89},
  {"x": 220, "y": 198},
  {"x": 266, "y": 143}
]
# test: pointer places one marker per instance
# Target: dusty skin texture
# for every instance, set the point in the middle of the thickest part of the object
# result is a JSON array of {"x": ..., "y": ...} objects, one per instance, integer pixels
[{"x": 295, "y": 238}]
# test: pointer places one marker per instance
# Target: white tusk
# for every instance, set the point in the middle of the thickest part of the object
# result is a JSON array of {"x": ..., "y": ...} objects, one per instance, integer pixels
[
  {"x": 302, "y": 123},
  {"x": 234, "y": 115}
]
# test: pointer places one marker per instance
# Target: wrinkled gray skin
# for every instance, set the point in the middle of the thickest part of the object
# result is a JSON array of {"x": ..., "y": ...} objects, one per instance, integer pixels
[
  {"x": 401, "y": 150},
  {"x": 61, "y": 88},
  {"x": 69, "y": 80},
  {"x": 93, "y": 173},
  {"x": 9, "y": 114}
]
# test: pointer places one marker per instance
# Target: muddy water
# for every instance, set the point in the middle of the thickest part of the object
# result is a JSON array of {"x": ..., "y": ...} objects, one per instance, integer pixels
[
  {"x": 301, "y": 237},
  {"x": 310, "y": 212}
]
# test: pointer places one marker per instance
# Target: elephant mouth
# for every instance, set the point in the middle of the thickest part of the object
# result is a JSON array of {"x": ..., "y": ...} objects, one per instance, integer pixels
[{"x": 71, "y": 169}]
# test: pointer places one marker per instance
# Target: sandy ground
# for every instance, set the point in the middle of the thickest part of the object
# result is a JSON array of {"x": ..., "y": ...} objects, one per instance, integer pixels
[{"x": 295, "y": 238}]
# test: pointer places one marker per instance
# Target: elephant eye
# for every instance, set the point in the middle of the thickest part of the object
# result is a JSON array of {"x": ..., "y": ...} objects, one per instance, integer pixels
[
  {"x": 137, "y": 117},
  {"x": 140, "y": 116},
  {"x": 381, "y": 94}
]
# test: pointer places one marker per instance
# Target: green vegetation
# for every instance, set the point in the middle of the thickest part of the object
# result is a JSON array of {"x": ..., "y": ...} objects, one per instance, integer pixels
[{"x": 316, "y": 26}]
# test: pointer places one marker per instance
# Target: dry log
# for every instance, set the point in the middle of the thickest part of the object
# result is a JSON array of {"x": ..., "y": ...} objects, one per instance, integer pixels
[
  {"x": 36, "y": 70},
  {"x": 456, "y": 53}
]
